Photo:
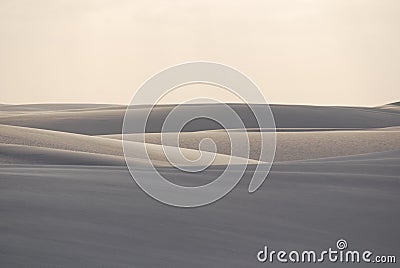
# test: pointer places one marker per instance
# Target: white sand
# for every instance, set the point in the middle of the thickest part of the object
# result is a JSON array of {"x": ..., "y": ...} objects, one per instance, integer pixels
[
  {"x": 74, "y": 216},
  {"x": 57, "y": 143},
  {"x": 103, "y": 121},
  {"x": 296, "y": 145},
  {"x": 68, "y": 200}
]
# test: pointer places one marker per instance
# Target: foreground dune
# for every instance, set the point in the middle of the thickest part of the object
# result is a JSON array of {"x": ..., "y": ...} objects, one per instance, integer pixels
[{"x": 97, "y": 217}]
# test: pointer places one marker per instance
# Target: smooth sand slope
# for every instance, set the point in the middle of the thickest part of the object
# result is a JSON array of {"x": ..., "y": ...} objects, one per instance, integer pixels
[
  {"x": 305, "y": 132},
  {"x": 293, "y": 145},
  {"x": 103, "y": 121},
  {"x": 74, "y": 216},
  {"x": 54, "y": 147},
  {"x": 68, "y": 200}
]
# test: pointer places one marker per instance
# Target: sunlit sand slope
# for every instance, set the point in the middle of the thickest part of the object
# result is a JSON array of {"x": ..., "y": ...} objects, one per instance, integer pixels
[{"x": 108, "y": 120}]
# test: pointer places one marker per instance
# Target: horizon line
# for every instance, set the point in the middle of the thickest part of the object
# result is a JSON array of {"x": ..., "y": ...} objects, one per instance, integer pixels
[{"x": 200, "y": 103}]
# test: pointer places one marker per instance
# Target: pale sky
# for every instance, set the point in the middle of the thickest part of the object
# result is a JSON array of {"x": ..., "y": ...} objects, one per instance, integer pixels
[{"x": 334, "y": 52}]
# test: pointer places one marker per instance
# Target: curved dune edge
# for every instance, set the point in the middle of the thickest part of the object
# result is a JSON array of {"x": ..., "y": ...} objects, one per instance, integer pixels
[
  {"x": 108, "y": 120},
  {"x": 24, "y": 154},
  {"x": 298, "y": 145},
  {"x": 387, "y": 156},
  {"x": 291, "y": 146},
  {"x": 19, "y": 144},
  {"x": 305, "y": 132}
]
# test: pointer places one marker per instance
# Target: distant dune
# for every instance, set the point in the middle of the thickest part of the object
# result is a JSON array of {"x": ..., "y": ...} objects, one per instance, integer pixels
[
  {"x": 392, "y": 107},
  {"x": 108, "y": 120},
  {"x": 54, "y": 107},
  {"x": 84, "y": 132}
]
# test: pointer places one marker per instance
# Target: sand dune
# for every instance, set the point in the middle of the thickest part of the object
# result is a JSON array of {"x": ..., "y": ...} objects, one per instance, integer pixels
[
  {"x": 296, "y": 145},
  {"x": 58, "y": 140},
  {"x": 23, "y": 154},
  {"x": 388, "y": 157},
  {"x": 29, "y": 109},
  {"x": 290, "y": 145},
  {"x": 320, "y": 134},
  {"x": 67, "y": 196},
  {"x": 83, "y": 147},
  {"x": 96, "y": 216},
  {"x": 36, "y": 107},
  {"x": 102, "y": 121},
  {"x": 391, "y": 107}
]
